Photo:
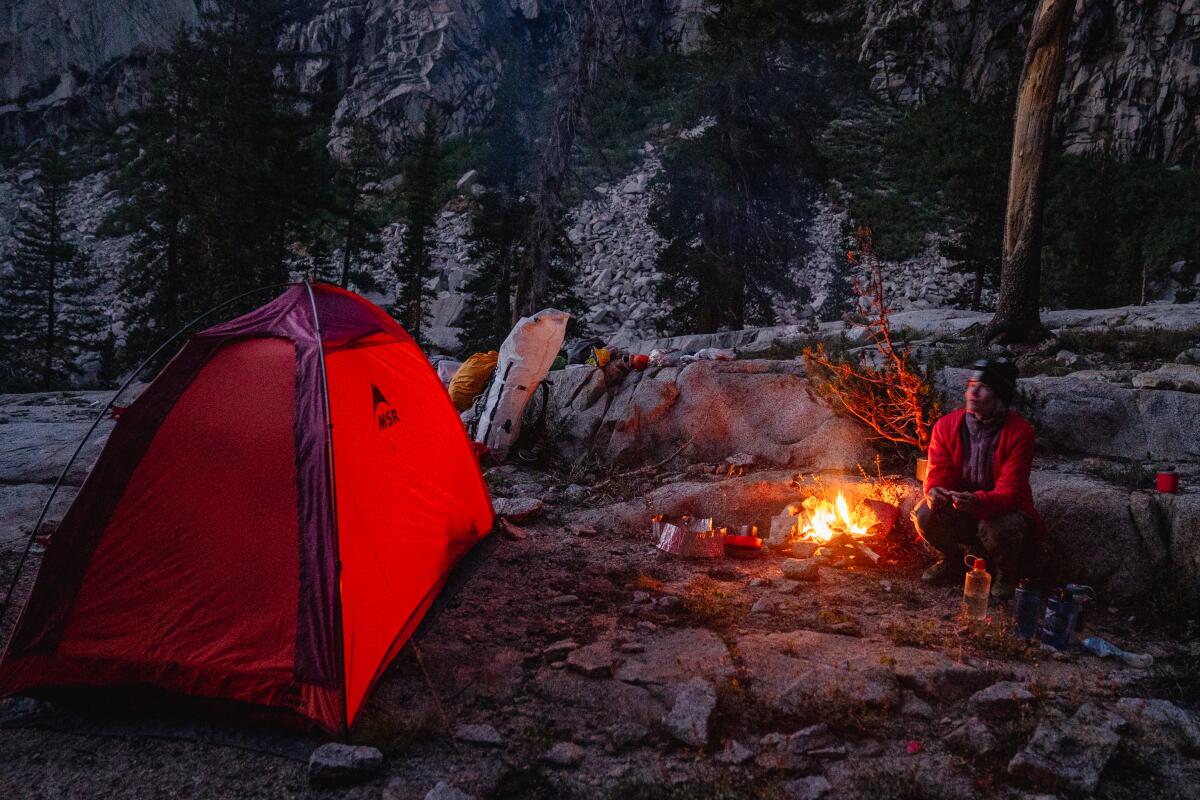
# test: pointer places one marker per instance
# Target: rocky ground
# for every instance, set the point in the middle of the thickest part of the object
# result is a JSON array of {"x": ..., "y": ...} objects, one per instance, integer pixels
[
  {"x": 578, "y": 661},
  {"x": 575, "y": 660}
]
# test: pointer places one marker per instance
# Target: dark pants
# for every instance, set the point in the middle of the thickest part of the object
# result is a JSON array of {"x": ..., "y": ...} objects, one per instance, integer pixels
[{"x": 1007, "y": 541}]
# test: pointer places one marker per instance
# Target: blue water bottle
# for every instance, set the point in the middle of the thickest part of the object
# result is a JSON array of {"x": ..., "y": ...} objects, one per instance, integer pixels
[
  {"x": 1056, "y": 625},
  {"x": 1027, "y": 608}
]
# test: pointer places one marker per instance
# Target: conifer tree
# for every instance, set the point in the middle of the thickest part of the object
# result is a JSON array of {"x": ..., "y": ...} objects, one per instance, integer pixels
[
  {"x": 357, "y": 214},
  {"x": 49, "y": 314},
  {"x": 728, "y": 200},
  {"x": 228, "y": 178},
  {"x": 493, "y": 244},
  {"x": 421, "y": 199}
]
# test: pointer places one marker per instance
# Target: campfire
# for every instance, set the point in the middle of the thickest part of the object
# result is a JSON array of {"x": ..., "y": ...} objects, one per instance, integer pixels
[
  {"x": 831, "y": 527},
  {"x": 819, "y": 520}
]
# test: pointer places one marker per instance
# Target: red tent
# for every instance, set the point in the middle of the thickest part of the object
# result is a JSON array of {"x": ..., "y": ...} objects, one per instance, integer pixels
[{"x": 268, "y": 522}]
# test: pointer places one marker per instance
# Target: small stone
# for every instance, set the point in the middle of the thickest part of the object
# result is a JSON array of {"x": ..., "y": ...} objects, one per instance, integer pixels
[
  {"x": 594, "y": 661},
  {"x": 586, "y": 531},
  {"x": 479, "y": 734},
  {"x": 23, "y": 709},
  {"x": 632, "y": 648},
  {"x": 800, "y": 569},
  {"x": 812, "y": 787},
  {"x": 1000, "y": 700},
  {"x": 564, "y": 600},
  {"x": 972, "y": 737},
  {"x": 641, "y": 597},
  {"x": 786, "y": 586},
  {"x": 443, "y": 790},
  {"x": 764, "y": 605},
  {"x": 518, "y": 509},
  {"x": 915, "y": 707},
  {"x": 723, "y": 573},
  {"x": 574, "y": 493},
  {"x": 885, "y": 585},
  {"x": 734, "y": 752},
  {"x": 1066, "y": 358},
  {"x": 645, "y": 626},
  {"x": 689, "y": 715},
  {"x": 669, "y": 603},
  {"x": 559, "y": 650},
  {"x": 804, "y": 550},
  {"x": 624, "y": 735},
  {"x": 336, "y": 764},
  {"x": 757, "y": 582},
  {"x": 564, "y": 754}
]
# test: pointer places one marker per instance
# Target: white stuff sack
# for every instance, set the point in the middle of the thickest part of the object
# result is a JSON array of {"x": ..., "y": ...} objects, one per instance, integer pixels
[{"x": 525, "y": 358}]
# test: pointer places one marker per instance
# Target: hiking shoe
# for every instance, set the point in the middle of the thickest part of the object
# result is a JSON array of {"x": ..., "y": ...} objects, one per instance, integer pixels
[
  {"x": 941, "y": 573},
  {"x": 1001, "y": 588}
]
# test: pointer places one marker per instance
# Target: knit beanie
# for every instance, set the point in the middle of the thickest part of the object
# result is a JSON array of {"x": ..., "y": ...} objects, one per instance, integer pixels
[{"x": 998, "y": 374}]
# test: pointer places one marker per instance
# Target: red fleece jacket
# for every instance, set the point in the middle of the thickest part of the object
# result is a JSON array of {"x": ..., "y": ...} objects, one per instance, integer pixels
[{"x": 1014, "y": 459}]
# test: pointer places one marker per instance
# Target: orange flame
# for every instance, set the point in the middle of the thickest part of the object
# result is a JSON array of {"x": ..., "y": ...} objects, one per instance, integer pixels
[{"x": 821, "y": 520}]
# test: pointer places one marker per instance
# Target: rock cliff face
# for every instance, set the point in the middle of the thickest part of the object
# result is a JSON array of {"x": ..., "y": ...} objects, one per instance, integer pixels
[
  {"x": 1132, "y": 77},
  {"x": 63, "y": 61}
]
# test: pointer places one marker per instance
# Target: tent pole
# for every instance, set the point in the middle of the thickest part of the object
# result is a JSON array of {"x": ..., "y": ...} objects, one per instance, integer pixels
[
  {"x": 103, "y": 412},
  {"x": 337, "y": 544}
]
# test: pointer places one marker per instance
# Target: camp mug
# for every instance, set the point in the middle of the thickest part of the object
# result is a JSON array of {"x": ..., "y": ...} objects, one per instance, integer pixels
[{"x": 1167, "y": 482}]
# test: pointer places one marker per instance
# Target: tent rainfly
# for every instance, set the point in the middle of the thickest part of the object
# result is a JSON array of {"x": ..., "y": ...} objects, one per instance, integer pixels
[{"x": 268, "y": 521}]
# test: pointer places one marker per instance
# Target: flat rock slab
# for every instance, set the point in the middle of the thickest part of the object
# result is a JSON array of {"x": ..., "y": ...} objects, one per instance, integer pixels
[
  {"x": 1069, "y": 754},
  {"x": 36, "y": 452},
  {"x": 1161, "y": 723},
  {"x": 616, "y": 700},
  {"x": 1000, "y": 700},
  {"x": 675, "y": 657},
  {"x": 793, "y": 671},
  {"x": 20, "y": 505}
]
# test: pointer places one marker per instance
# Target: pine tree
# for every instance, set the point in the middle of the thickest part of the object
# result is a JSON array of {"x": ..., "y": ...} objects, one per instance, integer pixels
[
  {"x": 421, "y": 198},
  {"x": 728, "y": 200},
  {"x": 358, "y": 218},
  {"x": 229, "y": 178},
  {"x": 493, "y": 242},
  {"x": 49, "y": 314}
]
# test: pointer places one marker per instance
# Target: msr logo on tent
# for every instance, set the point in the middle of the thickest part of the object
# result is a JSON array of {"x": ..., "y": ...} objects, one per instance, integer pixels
[{"x": 385, "y": 415}]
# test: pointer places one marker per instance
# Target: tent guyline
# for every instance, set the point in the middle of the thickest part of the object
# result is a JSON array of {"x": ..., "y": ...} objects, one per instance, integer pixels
[{"x": 213, "y": 550}]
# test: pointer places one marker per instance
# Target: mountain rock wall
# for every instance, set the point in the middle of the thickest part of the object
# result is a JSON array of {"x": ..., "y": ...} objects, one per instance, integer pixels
[{"x": 1132, "y": 79}]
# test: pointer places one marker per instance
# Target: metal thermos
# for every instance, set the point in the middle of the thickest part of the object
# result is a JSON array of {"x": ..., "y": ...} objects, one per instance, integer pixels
[
  {"x": 1056, "y": 625},
  {"x": 1027, "y": 608}
]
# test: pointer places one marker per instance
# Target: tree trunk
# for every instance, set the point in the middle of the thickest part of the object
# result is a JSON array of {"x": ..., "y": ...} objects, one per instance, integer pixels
[
  {"x": 533, "y": 273},
  {"x": 1017, "y": 316}
]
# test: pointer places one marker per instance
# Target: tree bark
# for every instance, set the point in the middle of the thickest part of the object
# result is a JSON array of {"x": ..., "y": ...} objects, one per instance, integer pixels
[
  {"x": 1017, "y": 317},
  {"x": 533, "y": 273}
]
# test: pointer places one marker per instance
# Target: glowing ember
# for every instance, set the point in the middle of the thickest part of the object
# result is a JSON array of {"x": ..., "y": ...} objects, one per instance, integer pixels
[{"x": 820, "y": 520}]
